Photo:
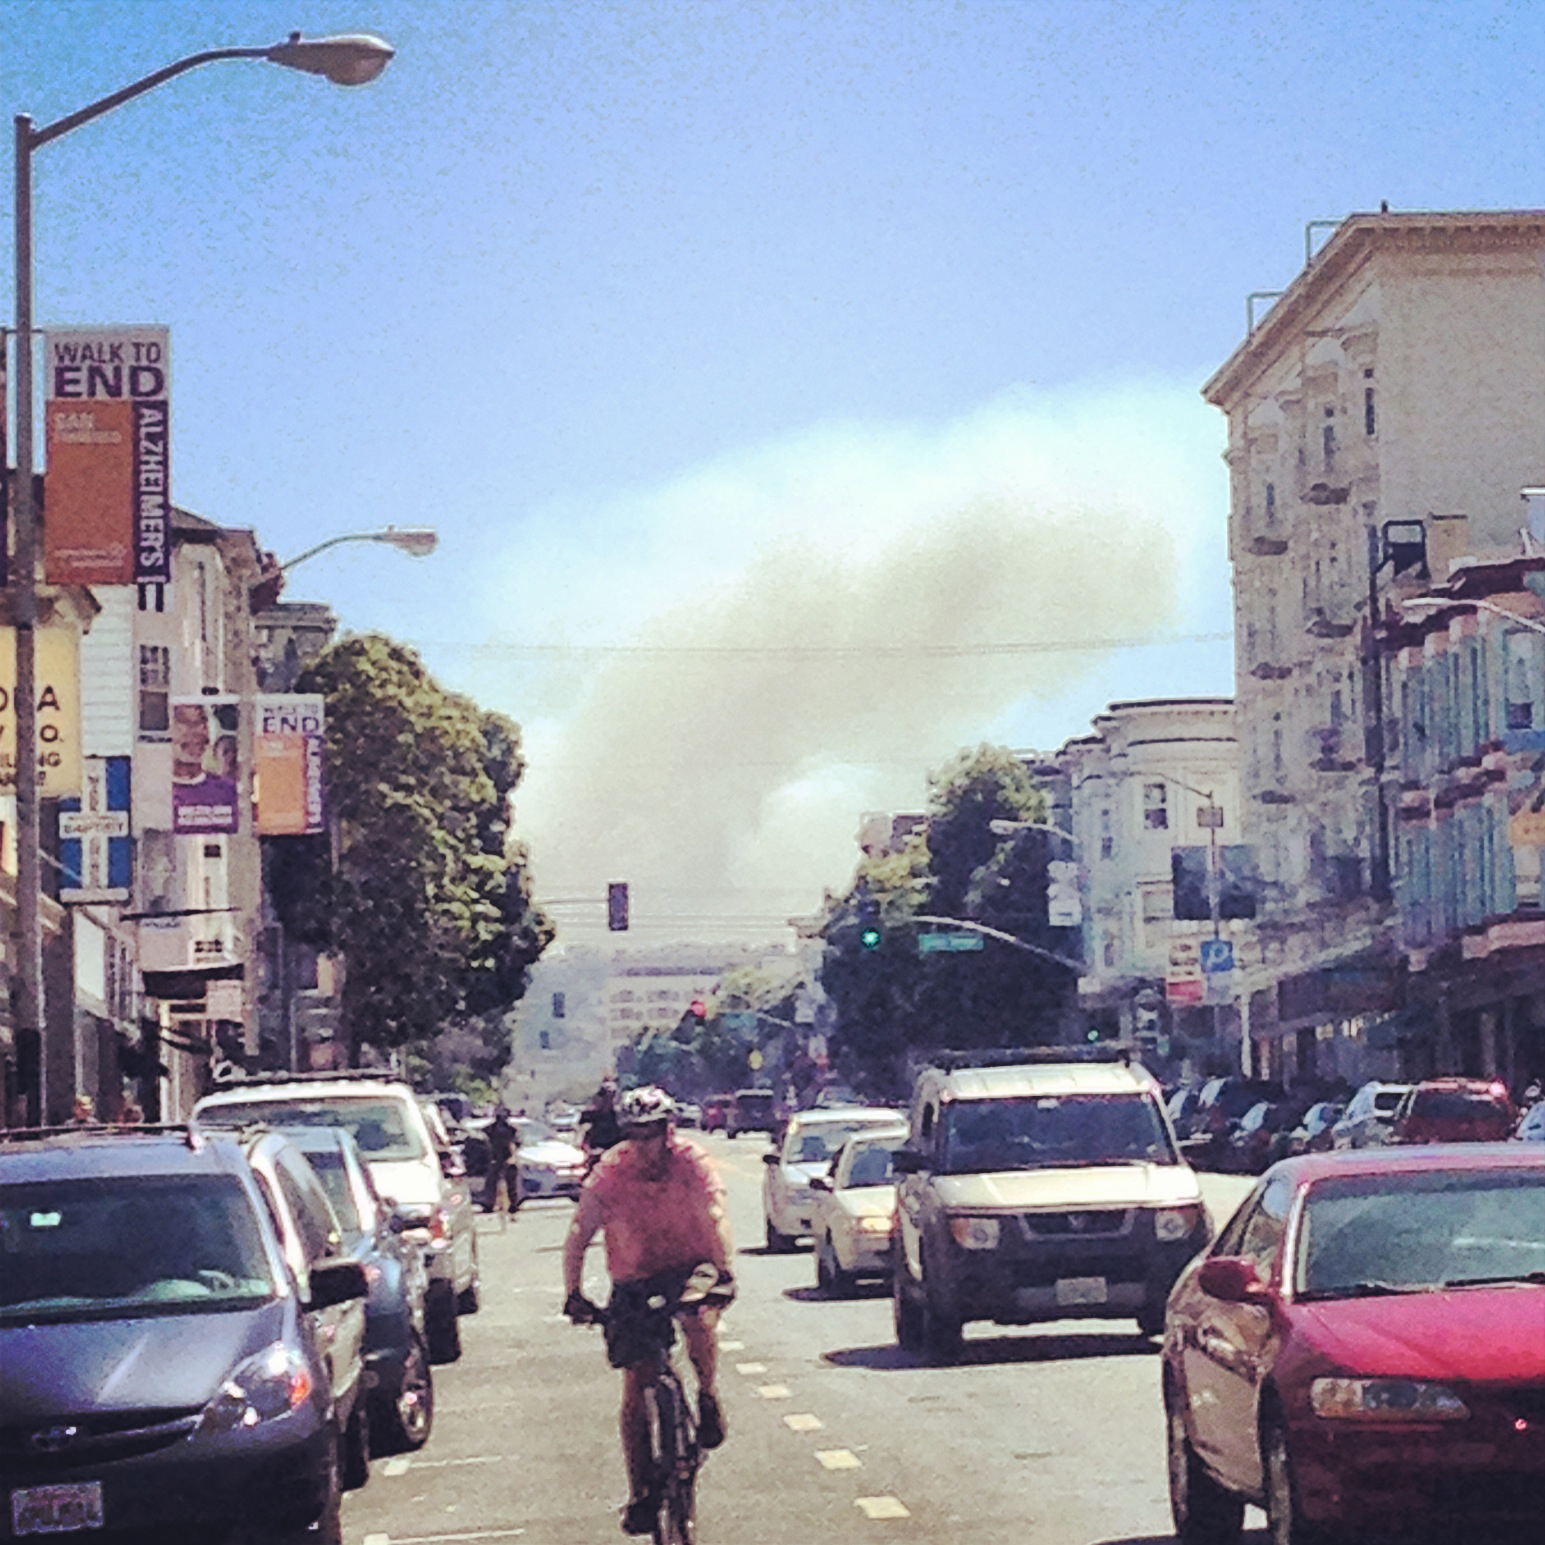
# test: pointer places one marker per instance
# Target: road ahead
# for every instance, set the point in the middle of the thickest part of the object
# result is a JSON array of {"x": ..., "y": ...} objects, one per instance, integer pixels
[{"x": 1043, "y": 1436}]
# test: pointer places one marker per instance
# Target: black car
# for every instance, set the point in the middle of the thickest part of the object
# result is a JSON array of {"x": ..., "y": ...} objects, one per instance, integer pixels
[
  {"x": 402, "y": 1397},
  {"x": 179, "y": 1338}
]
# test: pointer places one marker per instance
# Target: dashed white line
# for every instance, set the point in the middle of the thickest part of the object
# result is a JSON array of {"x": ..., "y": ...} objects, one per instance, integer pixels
[
  {"x": 838, "y": 1459},
  {"x": 749, "y": 1368},
  {"x": 774, "y": 1391},
  {"x": 881, "y": 1507},
  {"x": 803, "y": 1421}
]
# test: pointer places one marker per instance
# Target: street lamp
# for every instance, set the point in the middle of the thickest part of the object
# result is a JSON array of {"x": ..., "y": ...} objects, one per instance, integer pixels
[
  {"x": 1479, "y": 602},
  {"x": 415, "y": 541},
  {"x": 346, "y": 61},
  {"x": 1008, "y": 828}
]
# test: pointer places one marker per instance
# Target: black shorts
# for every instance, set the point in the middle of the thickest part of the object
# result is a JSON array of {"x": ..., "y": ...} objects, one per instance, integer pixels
[{"x": 641, "y": 1316}]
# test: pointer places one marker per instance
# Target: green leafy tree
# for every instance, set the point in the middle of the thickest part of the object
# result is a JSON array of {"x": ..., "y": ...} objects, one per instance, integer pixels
[
  {"x": 426, "y": 896},
  {"x": 892, "y": 1000}
]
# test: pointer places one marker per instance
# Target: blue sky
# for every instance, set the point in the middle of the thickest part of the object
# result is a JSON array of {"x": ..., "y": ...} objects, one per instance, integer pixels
[{"x": 801, "y": 390}]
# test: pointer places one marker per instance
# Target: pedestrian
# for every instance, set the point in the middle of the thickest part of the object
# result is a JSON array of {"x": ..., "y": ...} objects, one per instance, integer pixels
[
  {"x": 598, "y": 1121},
  {"x": 130, "y": 1115},
  {"x": 84, "y": 1112},
  {"x": 502, "y": 1141}
]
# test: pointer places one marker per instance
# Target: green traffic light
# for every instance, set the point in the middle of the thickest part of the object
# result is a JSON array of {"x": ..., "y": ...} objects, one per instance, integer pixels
[
  {"x": 1091, "y": 1035},
  {"x": 870, "y": 938}
]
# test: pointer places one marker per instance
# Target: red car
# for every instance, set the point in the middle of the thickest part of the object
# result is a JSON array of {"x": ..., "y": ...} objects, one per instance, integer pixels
[
  {"x": 1454, "y": 1110},
  {"x": 1362, "y": 1352}
]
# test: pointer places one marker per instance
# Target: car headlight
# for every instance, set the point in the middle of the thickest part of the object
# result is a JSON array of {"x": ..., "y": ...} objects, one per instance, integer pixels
[
  {"x": 875, "y": 1225},
  {"x": 1386, "y": 1400},
  {"x": 270, "y": 1383},
  {"x": 975, "y": 1233},
  {"x": 1172, "y": 1223}
]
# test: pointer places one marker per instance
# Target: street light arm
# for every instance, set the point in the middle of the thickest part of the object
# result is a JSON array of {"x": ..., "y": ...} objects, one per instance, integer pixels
[
  {"x": 417, "y": 542},
  {"x": 63, "y": 126}
]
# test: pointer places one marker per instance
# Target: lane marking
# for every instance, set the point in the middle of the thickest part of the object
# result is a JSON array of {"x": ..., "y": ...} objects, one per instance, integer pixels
[
  {"x": 881, "y": 1507},
  {"x": 774, "y": 1391},
  {"x": 394, "y": 1467},
  {"x": 441, "y": 1464},
  {"x": 731, "y": 1346},
  {"x": 749, "y": 1368},
  {"x": 442, "y": 1539},
  {"x": 839, "y": 1459},
  {"x": 803, "y": 1421}
]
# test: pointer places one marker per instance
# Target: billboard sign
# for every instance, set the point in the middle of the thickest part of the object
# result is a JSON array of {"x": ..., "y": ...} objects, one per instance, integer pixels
[
  {"x": 58, "y": 718},
  {"x": 206, "y": 759},
  {"x": 108, "y": 485},
  {"x": 288, "y": 756},
  {"x": 96, "y": 851}
]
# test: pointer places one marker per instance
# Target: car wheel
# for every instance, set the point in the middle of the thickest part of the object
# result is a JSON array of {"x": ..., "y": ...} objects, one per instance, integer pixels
[
  {"x": 829, "y": 1275},
  {"x": 777, "y": 1243},
  {"x": 325, "y": 1529},
  {"x": 943, "y": 1328},
  {"x": 908, "y": 1312},
  {"x": 440, "y": 1324},
  {"x": 1204, "y": 1513},
  {"x": 402, "y": 1423},
  {"x": 1285, "y": 1524},
  {"x": 356, "y": 1447}
]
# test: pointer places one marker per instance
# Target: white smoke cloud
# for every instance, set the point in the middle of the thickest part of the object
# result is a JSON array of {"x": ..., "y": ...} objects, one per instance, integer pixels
[{"x": 768, "y": 645}]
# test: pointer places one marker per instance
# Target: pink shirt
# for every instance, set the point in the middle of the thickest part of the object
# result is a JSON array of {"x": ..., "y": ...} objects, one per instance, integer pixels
[{"x": 657, "y": 1225}]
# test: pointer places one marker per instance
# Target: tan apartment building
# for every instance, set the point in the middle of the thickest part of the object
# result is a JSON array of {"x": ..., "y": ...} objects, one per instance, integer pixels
[{"x": 1383, "y": 417}]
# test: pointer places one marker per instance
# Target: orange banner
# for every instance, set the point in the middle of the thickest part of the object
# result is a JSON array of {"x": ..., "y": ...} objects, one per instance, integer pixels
[{"x": 88, "y": 515}]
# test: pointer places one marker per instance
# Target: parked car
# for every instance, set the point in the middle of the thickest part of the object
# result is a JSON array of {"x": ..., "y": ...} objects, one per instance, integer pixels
[
  {"x": 1247, "y": 1149},
  {"x": 1314, "y": 1134},
  {"x": 385, "y": 1119},
  {"x": 1039, "y": 1190},
  {"x": 179, "y": 1338},
  {"x": 1454, "y": 1110},
  {"x": 688, "y": 1114},
  {"x": 753, "y": 1110},
  {"x": 716, "y": 1112},
  {"x": 854, "y": 1210},
  {"x": 1369, "y": 1116},
  {"x": 1222, "y": 1103},
  {"x": 563, "y": 1119},
  {"x": 402, "y": 1397},
  {"x": 1181, "y": 1107},
  {"x": 1362, "y": 1352},
  {"x": 546, "y": 1164},
  {"x": 807, "y": 1149},
  {"x": 1531, "y": 1126}
]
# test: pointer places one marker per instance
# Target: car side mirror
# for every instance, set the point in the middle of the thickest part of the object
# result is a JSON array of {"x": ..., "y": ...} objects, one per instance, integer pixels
[
  {"x": 821, "y": 1183},
  {"x": 908, "y": 1161},
  {"x": 1233, "y": 1279},
  {"x": 771, "y": 1157},
  {"x": 336, "y": 1282}
]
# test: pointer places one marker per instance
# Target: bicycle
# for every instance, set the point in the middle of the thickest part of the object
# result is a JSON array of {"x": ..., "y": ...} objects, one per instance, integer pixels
[{"x": 674, "y": 1453}]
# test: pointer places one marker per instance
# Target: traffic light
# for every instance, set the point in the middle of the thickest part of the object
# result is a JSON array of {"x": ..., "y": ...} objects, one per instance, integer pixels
[
  {"x": 698, "y": 1010},
  {"x": 617, "y": 906},
  {"x": 869, "y": 934}
]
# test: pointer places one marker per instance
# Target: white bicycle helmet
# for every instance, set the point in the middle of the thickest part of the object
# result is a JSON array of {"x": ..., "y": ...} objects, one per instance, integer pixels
[{"x": 648, "y": 1106}]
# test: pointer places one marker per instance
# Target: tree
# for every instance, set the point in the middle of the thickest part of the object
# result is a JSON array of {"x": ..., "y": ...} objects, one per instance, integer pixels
[
  {"x": 426, "y": 896},
  {"x": 892, "y": 999}
]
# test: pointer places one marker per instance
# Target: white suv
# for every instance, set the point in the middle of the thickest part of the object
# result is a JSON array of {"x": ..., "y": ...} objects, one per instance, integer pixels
[{"x": 384, "y": 1117}]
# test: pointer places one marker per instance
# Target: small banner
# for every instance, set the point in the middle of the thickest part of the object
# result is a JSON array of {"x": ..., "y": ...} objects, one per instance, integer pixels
[
  {"x": 57, "y": 658},
  {"x": 206, "y": 763},
  {"x": 96, "y": 852},
  {"x": 107, "y": 499},
  {"x": 288, "y": 755}
]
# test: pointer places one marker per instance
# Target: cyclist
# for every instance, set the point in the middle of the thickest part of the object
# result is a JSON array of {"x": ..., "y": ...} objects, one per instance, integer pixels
[
  {"x": 661, "y": 1203},
  {"x": 599, "y": 1126}
]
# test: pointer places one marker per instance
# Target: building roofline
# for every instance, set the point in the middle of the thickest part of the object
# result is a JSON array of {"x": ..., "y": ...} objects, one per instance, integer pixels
[{"x": 1333, "y": 264}]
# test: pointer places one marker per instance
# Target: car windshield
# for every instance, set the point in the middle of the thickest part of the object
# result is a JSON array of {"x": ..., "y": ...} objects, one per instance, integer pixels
[
  {"x": 1053, "y": 1131},
  {"x": 1421, "y": 1229},
  {"x": 1456, "y": 1105},
  {"x": 123, "y": 1247},
  {"x": 871, "y": 1165},
  {"x": 810, "y": 1145},
  {"x": 380, "y": 1127},
  {"x": 530, "y": 1132},
  {"x": 331, "y": 1171},
  {"x": 1385, "y": 1100}
]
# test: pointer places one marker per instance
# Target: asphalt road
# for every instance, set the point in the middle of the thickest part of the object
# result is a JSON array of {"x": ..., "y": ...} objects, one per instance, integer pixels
[{"x": 1048, "y": 1435}]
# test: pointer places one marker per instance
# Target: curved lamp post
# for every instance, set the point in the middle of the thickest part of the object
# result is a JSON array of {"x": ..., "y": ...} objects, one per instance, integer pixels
[
  {"x": 415, "y": 541},
  {"x": 351, "y": 60}
]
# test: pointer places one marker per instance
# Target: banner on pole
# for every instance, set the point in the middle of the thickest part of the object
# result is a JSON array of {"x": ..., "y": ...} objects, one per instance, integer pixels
[
  {"x": 288, "y": 757},
  {"x": 58, "y": 718},
  {"x": 108, "y": 485},
  {"x": 96, "y": 851},
  {"x": 206, "y": 760}
]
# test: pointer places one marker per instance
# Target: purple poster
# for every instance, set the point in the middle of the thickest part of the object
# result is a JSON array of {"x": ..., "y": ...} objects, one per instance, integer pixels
[{"x": 205, "y": 764}]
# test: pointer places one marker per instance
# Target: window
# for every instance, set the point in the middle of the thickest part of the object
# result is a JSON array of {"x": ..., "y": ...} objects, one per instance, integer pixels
[
  {"x": 1107, "y": 836},
  {"x": 1370, "y": 417},
  {"x": 155, "y": 688},
  {"x": 1328, "y": 443},
  {"x": 1155, "y": 807},
  {"x": 559, "y": 1005},
  {"x": 546, "y": 1039},
  {"x": 1271, "y": 504},
  {"x": 1521, "y": 678},
  {"x": 1261, "y": 1239}
]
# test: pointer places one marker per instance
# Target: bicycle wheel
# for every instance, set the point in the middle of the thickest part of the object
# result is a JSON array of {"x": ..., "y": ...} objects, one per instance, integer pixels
[{"x": 675, "y": 1461}]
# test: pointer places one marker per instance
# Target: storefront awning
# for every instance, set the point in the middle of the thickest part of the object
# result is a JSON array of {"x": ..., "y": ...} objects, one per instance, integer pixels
[{"x": 190, "y": 981}]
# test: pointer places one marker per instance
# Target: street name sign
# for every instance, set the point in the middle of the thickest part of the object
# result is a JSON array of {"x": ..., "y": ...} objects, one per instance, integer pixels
[{"x": 934, "y": 943}]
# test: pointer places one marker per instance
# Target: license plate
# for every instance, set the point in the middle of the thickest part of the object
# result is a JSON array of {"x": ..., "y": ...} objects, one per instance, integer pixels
[
  {"x": 1081, "y": 1290},
  {"x": 57, "y": 1509}
]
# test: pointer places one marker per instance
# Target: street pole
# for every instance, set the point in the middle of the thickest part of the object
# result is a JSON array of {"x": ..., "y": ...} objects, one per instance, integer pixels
[{"x": 346, "y": 61}]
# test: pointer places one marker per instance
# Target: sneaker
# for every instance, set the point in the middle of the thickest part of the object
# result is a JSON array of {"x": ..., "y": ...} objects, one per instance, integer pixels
[
  {"x": 639, "y": 1516},
  {"x": 710, "y": 1422}
]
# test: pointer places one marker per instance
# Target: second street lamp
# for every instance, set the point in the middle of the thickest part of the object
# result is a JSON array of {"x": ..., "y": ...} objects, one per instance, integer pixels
[{"x": 347, "y": 61}]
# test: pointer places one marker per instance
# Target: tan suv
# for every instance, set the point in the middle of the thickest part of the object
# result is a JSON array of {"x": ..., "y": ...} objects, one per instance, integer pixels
[{"x": 1038, "y": 1185}]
